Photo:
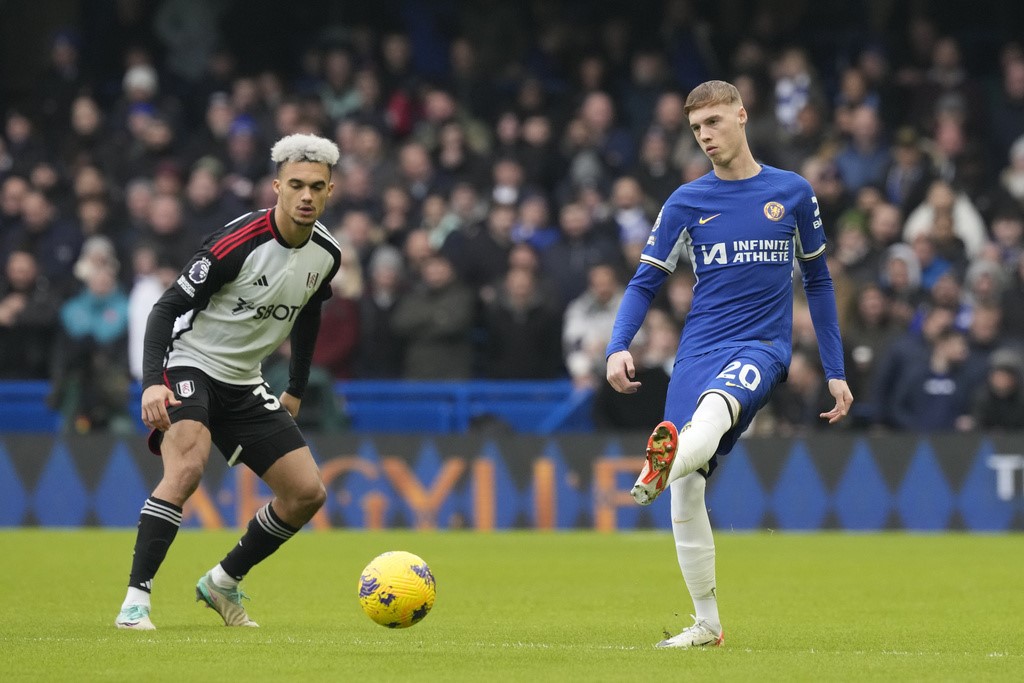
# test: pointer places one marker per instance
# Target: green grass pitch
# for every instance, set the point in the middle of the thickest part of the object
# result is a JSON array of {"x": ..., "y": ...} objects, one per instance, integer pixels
[{"x": 526, "y": 606}]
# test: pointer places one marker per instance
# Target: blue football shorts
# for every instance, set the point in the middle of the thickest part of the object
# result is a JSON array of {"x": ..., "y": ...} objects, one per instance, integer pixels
[{"x": 747, "y": 373}]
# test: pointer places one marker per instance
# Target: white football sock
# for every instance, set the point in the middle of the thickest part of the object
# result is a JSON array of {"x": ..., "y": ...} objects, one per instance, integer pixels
[
  {"x": 222, "y": 579},
  {"x": 698, "y": 442},
  {"x": 695, "y": 545},
  {"x": 135, "y": 596}
]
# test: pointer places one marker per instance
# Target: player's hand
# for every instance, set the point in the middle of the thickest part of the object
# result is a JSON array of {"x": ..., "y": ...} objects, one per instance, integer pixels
[
  {"x": 621, "y": 372},
  {"x": 291, "y": 404},
  {"x": 844, "y": 399},
  {"x": 155, "y": 400}
]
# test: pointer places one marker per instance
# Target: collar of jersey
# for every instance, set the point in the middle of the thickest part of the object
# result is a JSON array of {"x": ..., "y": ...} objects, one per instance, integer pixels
[{"x": 279, "y": 237}]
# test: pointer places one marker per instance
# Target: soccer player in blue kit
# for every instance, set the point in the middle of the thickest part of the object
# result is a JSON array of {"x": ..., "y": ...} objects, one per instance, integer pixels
[{"x": 740, "y": 226}]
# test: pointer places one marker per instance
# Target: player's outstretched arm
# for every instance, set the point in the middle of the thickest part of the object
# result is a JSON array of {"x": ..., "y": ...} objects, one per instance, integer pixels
[
  {"x": 155, "y": 400},
  {"x": 621, "y": 372},
  {"x": 844, "y": 399},
  {"x": 291, "y": 404}
]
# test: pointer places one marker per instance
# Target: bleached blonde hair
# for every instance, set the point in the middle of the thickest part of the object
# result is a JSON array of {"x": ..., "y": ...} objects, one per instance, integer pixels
[{"x": 303, "y": 147}]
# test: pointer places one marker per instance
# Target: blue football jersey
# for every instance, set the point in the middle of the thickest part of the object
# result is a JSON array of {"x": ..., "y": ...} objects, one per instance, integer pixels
[{"x": 741, "y": 236}]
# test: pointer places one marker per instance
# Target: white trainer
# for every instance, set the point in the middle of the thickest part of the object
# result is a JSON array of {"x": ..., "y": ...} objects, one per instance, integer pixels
[
  {"x": 135, "y": 617},
  {"x": 227, "y": 603},
  {"x": 701, "y": 634}
]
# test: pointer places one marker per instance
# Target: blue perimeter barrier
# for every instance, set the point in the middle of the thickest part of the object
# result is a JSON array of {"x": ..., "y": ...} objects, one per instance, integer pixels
[{"x": 529, "y": 407}]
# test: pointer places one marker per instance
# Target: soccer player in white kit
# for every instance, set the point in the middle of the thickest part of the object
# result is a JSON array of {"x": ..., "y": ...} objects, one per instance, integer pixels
[
  {"x": 257, "y": 281},
  {"x": 741, "y": 227}
]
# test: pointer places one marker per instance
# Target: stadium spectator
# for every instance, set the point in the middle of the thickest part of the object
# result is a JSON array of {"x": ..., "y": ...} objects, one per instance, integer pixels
[
  {"x": 90, "y": 361},
  {"x": 434, "y": 321},
  {"x": 632, "y": 218},
  {"x": 455, "y": 160},
  {"x": 28, "y": 319},
  {"x": 935, "y": 393},
  {"x": 866, "y": 337},
  {"x": 999, "y": 403},
  {"x": 86, "y": 141},
  {"x": 537, "y": 153},
  {"x": 1013, "y": 303},
  {"x": 930, "y": 262},
  {"x": 321, "y": 409},
  {"x": 166, "y": 231},
  {"x": 833, "y": 198},
  {"x": 909, "y": 173},
  {"x": 948, "y": 246},
  {"x": 796, "y": 404},
  {"x": 967, "y": 222},
  {"x": 901, "y": 275},
  {"x": 863, "y": 160},
  {"x": 398, "y": 215},
  {"x": 380, "y": 349},
  {"x": 337, "y": 344},
  {"x": 654, "y": 349},
  {"x": 523, "y": 330},
  {"x": 206, "y": 206},
  {"x": 151, "y": 276},
  {"x": 587, "y": 325},
  {"x": 50, "y": 238},
  {"x": 1008, "y": 237},
  {"x": 24, "y": 144},
  {"x": 648, "y": 78},
  {"x": 533, "y": 224},
  {"x": 795, "y": 86},
  {"x": 762, "y": 129},
  {"x": 898, "y": 360},
  {"x": 570, "y": 258},
  {"x": 484, "y": 255},
  {"x": 417, "y": 174},
  {"x": 852, "y": 248},
  {"x": 1007, "y": 116},
  {"x": 211, "y": 140},
  {"x": 655, "y": 170}
]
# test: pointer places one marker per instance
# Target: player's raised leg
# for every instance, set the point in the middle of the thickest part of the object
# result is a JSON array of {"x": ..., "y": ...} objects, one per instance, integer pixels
[
  {"x": 695, "y": 548},
  {"x": 185, "y": 449},
  {"x": 671, "y": 456},
  {"x": 298, "y": 494}
]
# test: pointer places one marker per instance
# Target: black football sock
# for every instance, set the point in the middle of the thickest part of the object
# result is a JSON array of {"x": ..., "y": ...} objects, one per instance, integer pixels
[
  {"x": 158, "y": 525},
  {"x": 265, "y": 534}
]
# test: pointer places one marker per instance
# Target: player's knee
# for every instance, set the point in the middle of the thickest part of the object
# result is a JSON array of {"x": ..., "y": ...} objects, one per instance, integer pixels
[
  {"x": 308, "y": 497},
  {"x": 184, "y": 477},
  {"x": 319, "y": 496}
]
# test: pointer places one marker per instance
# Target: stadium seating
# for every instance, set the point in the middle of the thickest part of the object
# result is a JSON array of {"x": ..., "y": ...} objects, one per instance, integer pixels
[{"x": 536, "y": 407}]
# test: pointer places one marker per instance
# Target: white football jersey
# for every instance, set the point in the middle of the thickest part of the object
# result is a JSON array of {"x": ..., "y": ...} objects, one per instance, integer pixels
[{"x": 248, "y": 286}]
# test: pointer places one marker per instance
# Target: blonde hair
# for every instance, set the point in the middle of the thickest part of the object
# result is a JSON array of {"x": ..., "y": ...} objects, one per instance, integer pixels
[
  {"x": 302, "y": 147},
  {"x": 710, "y": 93}
]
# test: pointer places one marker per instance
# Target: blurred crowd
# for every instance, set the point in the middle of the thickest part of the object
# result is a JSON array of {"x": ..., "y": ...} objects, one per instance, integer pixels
[{"x": 492, "y": 203}]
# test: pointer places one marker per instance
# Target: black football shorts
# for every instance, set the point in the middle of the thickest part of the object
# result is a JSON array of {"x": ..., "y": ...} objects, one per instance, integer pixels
[{"x": 246, "y": 422}]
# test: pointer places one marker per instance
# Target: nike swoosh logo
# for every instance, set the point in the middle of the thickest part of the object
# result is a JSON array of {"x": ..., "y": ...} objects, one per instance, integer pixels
[
  {"x": 703, "y": 220},
  {"x": 682, "y": 521},
  {"x": 731, "y": 384}
]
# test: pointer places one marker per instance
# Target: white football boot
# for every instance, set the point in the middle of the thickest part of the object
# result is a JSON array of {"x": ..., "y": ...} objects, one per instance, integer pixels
[
  {"x": 701, "y": 634},
  {"x": 227, "y": 603},
  {"x": 135, "y": 617}
]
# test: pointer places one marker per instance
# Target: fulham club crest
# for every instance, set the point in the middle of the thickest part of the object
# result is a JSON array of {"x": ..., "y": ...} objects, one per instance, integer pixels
[
  {"x": 312, "y": 279},
  {"x": 186, "y": 388}
]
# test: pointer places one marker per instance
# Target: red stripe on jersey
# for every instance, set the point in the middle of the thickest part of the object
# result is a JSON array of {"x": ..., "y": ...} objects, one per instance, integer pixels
[
  {"x": 231, "y": 247},
  {"x": 226, "y": 244}
]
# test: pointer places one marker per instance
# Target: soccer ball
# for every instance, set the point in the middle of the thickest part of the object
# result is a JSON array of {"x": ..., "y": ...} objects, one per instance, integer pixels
[{"x": 396, "y": 589}]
